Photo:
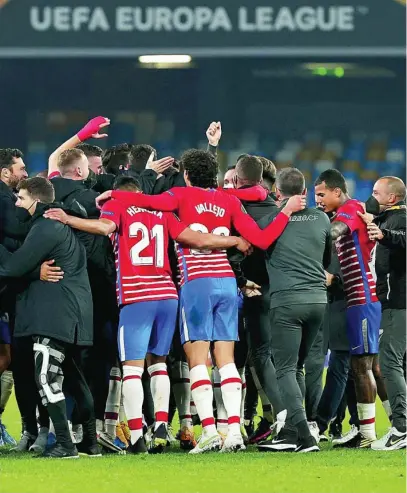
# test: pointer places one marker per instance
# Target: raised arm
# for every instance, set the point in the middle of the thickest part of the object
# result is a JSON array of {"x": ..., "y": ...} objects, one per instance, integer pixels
[
  {"x": 91, "y": 129},
  {"x": 213, "y": 134},
  {"x": 264, "y": 238}
]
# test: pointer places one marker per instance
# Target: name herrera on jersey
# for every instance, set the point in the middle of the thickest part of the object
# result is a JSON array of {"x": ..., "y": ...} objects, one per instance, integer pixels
[
  {"x": 208, "y": 207},
  {"x": 135, "y": 210}
]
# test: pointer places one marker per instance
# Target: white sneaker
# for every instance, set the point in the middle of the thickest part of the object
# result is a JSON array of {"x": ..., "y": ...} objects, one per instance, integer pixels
[
  {"x": 314, "y": 430},
  {"x": 40, "y": 442},
  {"x": 346, "y": 437},
  {"x": 233, "y": 443},
  {"x": 207, "y": 444},
  {"x": 393, "y": 440}
]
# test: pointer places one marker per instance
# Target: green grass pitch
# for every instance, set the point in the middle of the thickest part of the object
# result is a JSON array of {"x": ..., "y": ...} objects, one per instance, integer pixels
[{"x": 330, "y": 471}]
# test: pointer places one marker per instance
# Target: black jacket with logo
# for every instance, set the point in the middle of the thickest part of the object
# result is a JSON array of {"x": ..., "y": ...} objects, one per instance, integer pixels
[
  {"x": 61, "y": 310},
  {"x": 391, "y": 257}
]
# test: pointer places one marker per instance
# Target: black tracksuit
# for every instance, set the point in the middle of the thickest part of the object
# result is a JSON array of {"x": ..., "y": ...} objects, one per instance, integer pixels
[
  {"x": 15, "y": 224},
  {"x": 99, "y": 359},
  {"x": 58, "y": 316},
  {"x": 391, "y": 290},
  {"x": 256, "y": 310}
]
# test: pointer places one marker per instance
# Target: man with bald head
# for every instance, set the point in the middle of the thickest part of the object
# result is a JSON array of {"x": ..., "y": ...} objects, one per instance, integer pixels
[{"x": 389, "y": 230}]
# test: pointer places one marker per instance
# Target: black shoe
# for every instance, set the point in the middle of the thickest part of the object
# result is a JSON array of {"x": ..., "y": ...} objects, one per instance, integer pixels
[
  {"x": 307, "y": 445},
  {"x": 285, "y": 441},
  {"x": 159, "y": 440},
  {"x": 261, "y": 433},
  {"x": 358, "y": 441},
  {"x": 59, "y": 451},
  {"x": 335, "y": 430},
  {"x": 93, "y": 450},
  {"x": 138, "y": 448}
]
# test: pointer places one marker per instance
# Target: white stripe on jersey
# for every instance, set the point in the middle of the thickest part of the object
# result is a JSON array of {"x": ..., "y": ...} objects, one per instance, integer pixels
[{"x": 139, "y": 298}]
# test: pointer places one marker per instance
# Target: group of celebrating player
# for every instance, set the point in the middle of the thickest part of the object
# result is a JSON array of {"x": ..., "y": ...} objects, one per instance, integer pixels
[{"x": 177, "y": 245}]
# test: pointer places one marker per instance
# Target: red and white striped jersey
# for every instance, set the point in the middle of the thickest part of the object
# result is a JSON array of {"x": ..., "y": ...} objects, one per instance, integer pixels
[
  {"x": 141, "y": 252},
  {"x": 356, "y": 256},
  {"x": 207, "y": 211}
]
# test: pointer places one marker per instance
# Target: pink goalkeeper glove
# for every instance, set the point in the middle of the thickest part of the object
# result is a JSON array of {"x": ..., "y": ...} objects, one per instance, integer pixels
[{"x": 92, "y": 128}]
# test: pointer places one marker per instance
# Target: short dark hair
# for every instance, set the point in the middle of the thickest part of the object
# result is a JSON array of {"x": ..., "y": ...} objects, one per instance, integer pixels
[
  {"x": 140, "y": 154},
  {"x": 39, "y": 188},
  {"x": 269, "y": 170},
  {"x": 250, "y": 169},
  {"x": 117, "y": 158},
  {"x": 90, "y": 150},
  {"x": 290, "y": 181},
  {"x": 7, "y": 157},
  {"x": 67, "y": 158},
  {"x": 333, "y": 179},
  {"x": 129, "y": 183},
  {"x": 201, "y": 167}
]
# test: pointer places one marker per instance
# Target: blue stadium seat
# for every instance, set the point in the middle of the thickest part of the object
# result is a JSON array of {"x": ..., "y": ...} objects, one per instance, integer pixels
[{"x": 363, "y": 189}]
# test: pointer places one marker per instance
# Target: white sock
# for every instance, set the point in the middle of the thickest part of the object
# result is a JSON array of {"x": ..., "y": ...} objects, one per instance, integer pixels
[
  {"x": 202, "y": 394},
  {"x": 133, "y": 396},
  {"x": 387, "y": 408},
  {"x": 113, "y": 401},
  {"x": 6, "y": 387},
  {"x": 221, "y": 414},
  {"x": 182, "y": 393},
  {"x": 160, "y": 390},
  {"x": 367, "y": 413},
  {"x": 231, "y": 387},
  {"x": 242, "y": 374}
]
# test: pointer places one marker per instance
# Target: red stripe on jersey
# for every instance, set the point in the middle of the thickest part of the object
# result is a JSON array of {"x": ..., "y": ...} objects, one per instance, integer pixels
[
  {"x": 135, "y": 424},
  {"x": 112, "y": 416},
  {"x": 199, "y": 383},
  {"x": 222, "y": 421},
  {"x": 367, "y": 421},
  {"x": 232, "y": 420}
]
